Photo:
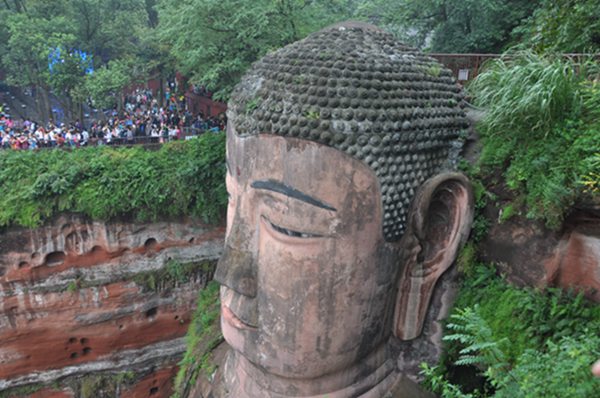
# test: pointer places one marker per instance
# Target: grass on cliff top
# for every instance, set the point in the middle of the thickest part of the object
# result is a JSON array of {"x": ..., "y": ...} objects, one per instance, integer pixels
[{"x": 182, "y": 178}]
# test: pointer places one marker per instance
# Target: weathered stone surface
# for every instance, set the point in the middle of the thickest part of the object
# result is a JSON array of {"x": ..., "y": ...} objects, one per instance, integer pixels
[
  {"x": 52, "y": 393},
  {"x": 533, "y": 255},
  {"x": 79, "y": 296},
  {"x": 520, "y": 247},
  {"x": 428, "y": 346},
  {"x": 212, "y": 387},
  {"x": 155, "y": 379},
  {"x": 157, "y": 385},
  {"x": 407, "y": 388},
  {"x": 576, "y": 263}
]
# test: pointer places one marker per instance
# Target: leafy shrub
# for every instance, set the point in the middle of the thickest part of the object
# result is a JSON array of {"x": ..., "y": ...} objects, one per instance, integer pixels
[
  {"x": 478, "y": 344},
  {"x": 527, "y": 317},
  {"x": 562, "y": 370},
  {"x": 591, "y": 180},
  {"x": 481, "y": 196},
  {"x": 182, "y": 178},
  {"x": 436, "y": 381},
  {"x": 525, "y": 342},
  {"x": 541, "y": 127},
  {"x": 507, "y": 212}
]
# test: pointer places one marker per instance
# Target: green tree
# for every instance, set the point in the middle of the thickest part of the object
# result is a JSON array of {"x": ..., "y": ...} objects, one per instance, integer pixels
[
  {"x": 215, "y": 41},
  {"x": 30, "y": 40},
  {"x": 154, "y": 55},
  {"x": 450, "y": 25},
  {"x": 107, "y": 30},
  {"x": 67, "y": 79},
  {"x": 106, "y": 84},
  {"x": 566, "y": 26},
  {"x": 111, "y": 30}
]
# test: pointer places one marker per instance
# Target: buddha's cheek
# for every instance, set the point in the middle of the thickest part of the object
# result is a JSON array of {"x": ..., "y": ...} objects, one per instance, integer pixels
[
  {"x": 290, "y": 276},
  {"x": 309, "y": 294}
]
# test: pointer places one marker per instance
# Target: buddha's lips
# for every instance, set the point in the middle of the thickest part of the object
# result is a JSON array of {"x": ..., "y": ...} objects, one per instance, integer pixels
[{"x": 233, "y": 320}]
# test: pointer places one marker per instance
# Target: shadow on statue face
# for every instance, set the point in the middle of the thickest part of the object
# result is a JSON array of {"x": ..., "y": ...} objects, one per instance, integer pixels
[{"x": 308, "y": 280}]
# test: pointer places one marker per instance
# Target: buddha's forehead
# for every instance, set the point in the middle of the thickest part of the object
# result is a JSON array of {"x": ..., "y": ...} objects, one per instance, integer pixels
[{"x": 309, "y": 167}]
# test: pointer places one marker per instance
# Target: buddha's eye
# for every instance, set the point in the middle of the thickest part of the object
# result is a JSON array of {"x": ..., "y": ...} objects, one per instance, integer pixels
[{"x": 292, "y": 233}]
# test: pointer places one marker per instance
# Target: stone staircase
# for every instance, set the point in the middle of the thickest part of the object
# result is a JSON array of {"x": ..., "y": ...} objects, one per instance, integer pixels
[{"x": 22, "y": 104}]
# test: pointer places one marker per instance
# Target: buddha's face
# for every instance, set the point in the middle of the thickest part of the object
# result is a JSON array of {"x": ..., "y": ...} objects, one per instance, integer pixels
[{"x": 308, "y": 281}]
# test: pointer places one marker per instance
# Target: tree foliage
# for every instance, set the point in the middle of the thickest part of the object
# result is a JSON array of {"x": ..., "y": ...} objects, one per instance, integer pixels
[
  {"x": 109, "y": 29},
  {"x": 450, "y": 25},
  {"x": 106, "y": 30},
  {"x": 105, "y": 85},
  {"x": 563, "y": 26},
  {"x": 215, "y": 41}
]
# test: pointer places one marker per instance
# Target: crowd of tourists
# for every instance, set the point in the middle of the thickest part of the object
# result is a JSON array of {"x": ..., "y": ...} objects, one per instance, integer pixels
[{"x": 141, "y": 121}]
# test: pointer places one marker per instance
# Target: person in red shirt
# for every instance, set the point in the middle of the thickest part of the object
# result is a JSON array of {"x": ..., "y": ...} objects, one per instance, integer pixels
[{"x": 60, "y": 140}]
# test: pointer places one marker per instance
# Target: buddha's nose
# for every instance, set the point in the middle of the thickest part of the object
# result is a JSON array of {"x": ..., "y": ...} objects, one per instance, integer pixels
[{"x": 236, "y": 269}]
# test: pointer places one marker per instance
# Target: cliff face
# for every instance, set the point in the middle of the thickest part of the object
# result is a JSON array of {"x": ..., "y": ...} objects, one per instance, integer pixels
[
  {"x": 80, "y": 297},
  {"x": 532, "y": 255}
]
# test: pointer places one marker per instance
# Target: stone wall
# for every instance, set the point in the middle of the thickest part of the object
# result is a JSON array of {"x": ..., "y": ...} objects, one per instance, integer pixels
[{"x": 79, "y": 297}]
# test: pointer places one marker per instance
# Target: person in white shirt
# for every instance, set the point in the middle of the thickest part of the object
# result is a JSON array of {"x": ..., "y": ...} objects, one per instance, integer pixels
[
  {"x": 85, "y": 136},
  {"x": 69, "y": 138},
  {"x": 52, "y": 138}
]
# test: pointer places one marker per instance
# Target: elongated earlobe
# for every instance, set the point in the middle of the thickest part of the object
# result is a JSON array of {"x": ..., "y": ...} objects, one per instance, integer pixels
[{"x": 439, "y": 224}]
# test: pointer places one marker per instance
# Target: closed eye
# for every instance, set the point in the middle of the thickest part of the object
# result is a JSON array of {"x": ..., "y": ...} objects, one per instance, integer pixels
[{"x": 292, "y": 233}]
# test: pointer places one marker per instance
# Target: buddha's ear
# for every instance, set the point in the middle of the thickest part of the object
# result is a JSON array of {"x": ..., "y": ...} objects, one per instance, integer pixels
[{"x": 439, "y": 224}]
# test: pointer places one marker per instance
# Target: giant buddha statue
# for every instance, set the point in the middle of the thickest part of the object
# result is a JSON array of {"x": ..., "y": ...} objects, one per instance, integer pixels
[{"x": 343, "y": 213}]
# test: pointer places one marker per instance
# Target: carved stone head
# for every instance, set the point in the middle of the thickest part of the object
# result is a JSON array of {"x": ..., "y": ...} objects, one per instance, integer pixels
[{"x": 342, "y": 212}]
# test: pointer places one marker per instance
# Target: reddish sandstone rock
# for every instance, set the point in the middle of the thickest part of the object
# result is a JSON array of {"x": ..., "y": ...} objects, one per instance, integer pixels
[
  {"x": 52, "y": 393},
  {"x": 575, "y": 262},
  {"x": 157, "y": 385},
  {"x": 533, "y": 255},
  {"x": 66, "y": 329},
  {"x": 79, "y": 297}
]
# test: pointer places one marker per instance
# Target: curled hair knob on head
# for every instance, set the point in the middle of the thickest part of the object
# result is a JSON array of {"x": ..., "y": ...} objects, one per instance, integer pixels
[{"x": 378, "y": 92}]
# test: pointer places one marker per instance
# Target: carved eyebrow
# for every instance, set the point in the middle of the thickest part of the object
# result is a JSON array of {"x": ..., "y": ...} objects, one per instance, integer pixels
[{"x": 276, "y": 186}]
